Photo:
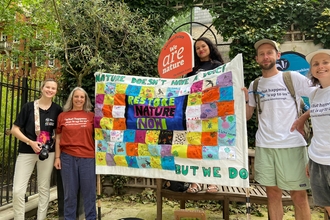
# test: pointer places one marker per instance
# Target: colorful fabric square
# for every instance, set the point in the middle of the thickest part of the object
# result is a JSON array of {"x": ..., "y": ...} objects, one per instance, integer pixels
[
  {"x": 211, "y": 95},
  {"x": 155, "y": 150},
  {"x": 120, "y": 160},
  {"x": 118, "y": 111},
  {"x": 168, "y": 163},
  {"x": 196, "y": 87},
  {"x": 209, "y": 110},
  {"x": 143, "y": 150},
  {"x": 226, "y": 93},
  {"x": 227, "y": 153},
  {"x": 132, "y": 149},
  {"x": 106, "y": 134},
  {"x": 133, "y": 90},
  {"x": 110, "y": 159},
  {"x": 121, "y": 88},
  {"x": 225, "y": 108},
  {"x": 132, "y": 162},
  {"x": 209, "y": 83},
  {"x": 160, "y": 92},
  {"x": 99, "y": 98},
  {"x": 98, "y": 111},
  {"x": 225, "y": 79},
  {"x": 143, "y": 162},
  {"x": 109, "y": 99},
  {"x": 193, "y": 112},
  {"x": 210, "y": 138},
  {"x": 147, "y": 92},
  {"x": 101, "y": 146},
  {"x": 179, "y": 150},
  {"x": 180, "y": 137},
  {"x": 107, "y": 111},
  {"x": 165, "y": 137},
  {"x": 116, "y": 136},
  {"x": 211, "y": 152},
  {"x": 226, "y": 139},
  {"x": 98, "y": 134},
  {"x": 120, "y": 148},
  {"x": 227, "y": 124},
  {"x": 194, "y": 151},
  {"x": 101, "y": 158},
  {"x": 166, "y": 150},
  {"x": 129, "y": 135},
  {"x": 172, "y": 92},
  {"x": 97, "y": 122},
  {"x": 111, "y": 148},
  {"x": 119, "y": 123},
  {"x": 194, "y": 138},
  {"x": 185, "y": 90},
  {"x": 100, "y": 88},
  {"x": 119, "y": 99},
  {"x": 140, "y": 136},
  {"x": 155, "y": 162},
  {"x": 194, "y": 125},
  {"x": 210, "y": 125},
  {"x": 106, "y": 123},
  {"x": 194, "y": 99},
  {"x": 152, "y": 137},
  {"x": 110, "y": 88}
]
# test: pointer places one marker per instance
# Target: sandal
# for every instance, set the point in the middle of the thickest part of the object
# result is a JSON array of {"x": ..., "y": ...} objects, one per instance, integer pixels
[
  {"x": 212, "y": 188},
  {"x": 194, "y": 188}
]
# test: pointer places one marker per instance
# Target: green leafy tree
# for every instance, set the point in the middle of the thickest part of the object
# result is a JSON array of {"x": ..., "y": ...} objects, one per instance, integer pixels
[
  {"x": 104, "y": 36},
  {"x": 29, "y": 26}
]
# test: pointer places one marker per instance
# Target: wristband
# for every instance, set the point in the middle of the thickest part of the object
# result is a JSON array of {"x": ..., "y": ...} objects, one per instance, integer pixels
[{"x": 247, "y": 102}]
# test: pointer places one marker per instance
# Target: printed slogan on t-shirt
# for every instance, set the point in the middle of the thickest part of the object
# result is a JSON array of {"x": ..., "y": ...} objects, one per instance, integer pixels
[{"x": 187, "y": 129}]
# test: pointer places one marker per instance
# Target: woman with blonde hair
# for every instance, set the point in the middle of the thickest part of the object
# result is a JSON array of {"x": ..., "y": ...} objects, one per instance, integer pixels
[{"x": 35, "y": 128}]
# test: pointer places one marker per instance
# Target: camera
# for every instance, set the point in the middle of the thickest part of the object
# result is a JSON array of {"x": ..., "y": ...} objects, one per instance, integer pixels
[{"x": 46, "y": 147}]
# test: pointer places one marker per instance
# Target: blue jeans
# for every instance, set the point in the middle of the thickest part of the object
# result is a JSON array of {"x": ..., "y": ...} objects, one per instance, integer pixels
[{"x": 78, "y": 173}]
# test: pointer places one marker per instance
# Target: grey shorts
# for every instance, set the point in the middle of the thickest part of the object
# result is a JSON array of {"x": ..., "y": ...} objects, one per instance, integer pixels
[
  {"x": 284, "y": 167},
  {"x": 320, "y": 183}
]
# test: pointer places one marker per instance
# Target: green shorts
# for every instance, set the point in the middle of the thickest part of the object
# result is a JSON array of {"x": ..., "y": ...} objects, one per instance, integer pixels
[{"x": 285, "y": 167}]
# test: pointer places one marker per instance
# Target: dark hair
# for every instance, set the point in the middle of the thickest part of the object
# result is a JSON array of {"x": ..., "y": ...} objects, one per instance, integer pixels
[{"x": 214, "y": 52}]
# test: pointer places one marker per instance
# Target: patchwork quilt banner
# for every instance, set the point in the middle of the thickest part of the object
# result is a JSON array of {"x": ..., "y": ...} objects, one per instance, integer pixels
[{"x": 186, "y": 129}]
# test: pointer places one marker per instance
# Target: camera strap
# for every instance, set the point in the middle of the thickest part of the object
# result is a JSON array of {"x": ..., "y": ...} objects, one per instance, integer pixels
[{"x": 36, "y": 117}]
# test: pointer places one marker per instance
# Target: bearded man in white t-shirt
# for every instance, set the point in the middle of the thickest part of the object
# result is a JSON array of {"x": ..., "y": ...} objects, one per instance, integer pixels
[{"x": 281, "y": 154}]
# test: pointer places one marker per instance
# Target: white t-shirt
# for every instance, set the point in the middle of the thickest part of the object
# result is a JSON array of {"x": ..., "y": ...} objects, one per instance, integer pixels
[
  {"x": 279, "y": 110},
  {"x": 319, "y": 149}
]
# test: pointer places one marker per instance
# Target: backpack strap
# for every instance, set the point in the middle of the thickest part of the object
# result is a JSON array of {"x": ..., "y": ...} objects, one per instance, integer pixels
[
  {"x": 256, "y": 94},
  {"x": 257, "y": 97},
  {"x": 288, "y": 82}
]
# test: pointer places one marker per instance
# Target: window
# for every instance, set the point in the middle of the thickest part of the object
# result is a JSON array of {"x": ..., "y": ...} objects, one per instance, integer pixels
[
  {"x": 40, "y": 58},
  {"x": 51, "y": 61},
  {"x": 293, "y": 34},
  {"x": 3, "y": 37},
  {"x": 14, "y": 62}
]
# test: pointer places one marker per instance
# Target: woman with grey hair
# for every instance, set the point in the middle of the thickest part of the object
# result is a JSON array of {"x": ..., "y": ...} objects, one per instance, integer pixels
[{"x": 75, "y": 153}]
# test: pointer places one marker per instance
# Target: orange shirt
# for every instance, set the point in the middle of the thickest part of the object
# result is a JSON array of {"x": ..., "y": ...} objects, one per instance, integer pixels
[{"x": 77, "y": 129}]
